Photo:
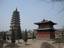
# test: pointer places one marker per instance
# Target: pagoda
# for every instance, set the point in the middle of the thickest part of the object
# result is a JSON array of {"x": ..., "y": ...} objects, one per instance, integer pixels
[
  {"x": 45, "y": 29},
  {"x": 15, "y": 25}
]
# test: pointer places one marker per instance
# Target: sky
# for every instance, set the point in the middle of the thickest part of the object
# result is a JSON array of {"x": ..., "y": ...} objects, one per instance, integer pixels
[{"x": 31, "y": 11}]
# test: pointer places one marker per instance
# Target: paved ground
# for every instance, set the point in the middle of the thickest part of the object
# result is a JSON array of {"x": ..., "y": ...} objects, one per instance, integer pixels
[{"x": 32, "y": 44}]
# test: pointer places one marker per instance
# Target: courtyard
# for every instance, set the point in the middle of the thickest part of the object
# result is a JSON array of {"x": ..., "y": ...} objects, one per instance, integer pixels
[{"x": 31, "y": 44}]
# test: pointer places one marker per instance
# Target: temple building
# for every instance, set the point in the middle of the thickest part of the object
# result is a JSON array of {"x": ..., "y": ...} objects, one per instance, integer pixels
[
  {"x": 15, "y": 24},
  {"x": 45, "y": 29}
]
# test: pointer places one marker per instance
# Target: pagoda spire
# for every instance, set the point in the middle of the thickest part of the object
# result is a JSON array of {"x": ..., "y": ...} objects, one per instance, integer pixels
[{"x": 16, "y": 9}]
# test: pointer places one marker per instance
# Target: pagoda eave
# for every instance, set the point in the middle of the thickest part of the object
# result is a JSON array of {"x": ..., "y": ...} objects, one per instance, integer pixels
[{"x": 45, "y": 29}]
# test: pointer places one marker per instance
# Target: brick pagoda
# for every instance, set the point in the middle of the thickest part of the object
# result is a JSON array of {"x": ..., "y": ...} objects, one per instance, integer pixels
[{"x": 15, "y": 24}]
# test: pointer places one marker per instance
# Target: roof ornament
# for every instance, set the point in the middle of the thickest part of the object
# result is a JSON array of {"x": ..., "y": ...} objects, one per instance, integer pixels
[{"x": 44, "y": 20}]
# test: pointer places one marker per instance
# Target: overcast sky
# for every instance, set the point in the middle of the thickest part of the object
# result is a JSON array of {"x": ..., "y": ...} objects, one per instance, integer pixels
[{"x": 31, "y": 11}]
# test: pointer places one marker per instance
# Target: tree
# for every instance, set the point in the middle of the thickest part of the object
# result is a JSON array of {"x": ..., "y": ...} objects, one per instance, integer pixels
[
  {"x": 25, "y": 36},
  {"x": 33, "y": 36},
  {"x": 18, "y": 35},
  {"x": 13, "y": 36},
  {"x": 4, "y": 36}
]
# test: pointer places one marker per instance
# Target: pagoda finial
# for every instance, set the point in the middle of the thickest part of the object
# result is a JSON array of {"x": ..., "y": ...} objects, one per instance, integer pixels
[{"x": 16, "y": 9}]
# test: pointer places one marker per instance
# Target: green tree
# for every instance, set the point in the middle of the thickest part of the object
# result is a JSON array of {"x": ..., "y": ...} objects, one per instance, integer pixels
[
  {"x": 13, "y": 36},
  {"x": 25, "y": 36},
  {"x": 4, "y": 36},
  {"x": 18, "y": 35},
  {"x": 33, "y": 36}
]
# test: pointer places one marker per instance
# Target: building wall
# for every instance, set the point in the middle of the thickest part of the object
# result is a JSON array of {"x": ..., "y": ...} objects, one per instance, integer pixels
[{"x": 43, "y": 35}]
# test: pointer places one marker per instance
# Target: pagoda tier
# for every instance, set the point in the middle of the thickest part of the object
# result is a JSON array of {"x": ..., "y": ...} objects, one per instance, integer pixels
[
  {"x": 15, "y": 24},
  {"x": 45, "y": 29}
]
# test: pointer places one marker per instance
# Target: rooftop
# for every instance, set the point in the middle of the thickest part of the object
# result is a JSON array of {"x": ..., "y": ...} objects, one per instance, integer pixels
[{"x": 45, "y": 21}]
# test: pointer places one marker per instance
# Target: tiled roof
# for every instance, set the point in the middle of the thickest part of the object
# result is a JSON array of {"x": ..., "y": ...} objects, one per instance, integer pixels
[{"x": 45, "y": 21}]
